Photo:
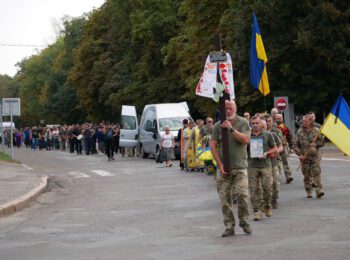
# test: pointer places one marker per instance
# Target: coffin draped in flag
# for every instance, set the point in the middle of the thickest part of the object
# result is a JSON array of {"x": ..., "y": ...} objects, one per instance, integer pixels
[
  {"x": 258, "y": 60},
  {"x": 208, "y": 81},
  {"x": 337, "y": 125}
]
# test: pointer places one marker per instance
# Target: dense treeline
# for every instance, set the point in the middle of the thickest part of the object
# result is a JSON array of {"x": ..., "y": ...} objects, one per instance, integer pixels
[{"x": 153, "y": 51}]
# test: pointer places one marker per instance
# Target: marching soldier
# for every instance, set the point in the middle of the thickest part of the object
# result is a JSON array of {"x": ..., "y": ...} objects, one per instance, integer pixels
[
  {"x": 312, "y": 116},
  {"x": 277, "y": 136},
  {"x": 239, "y": 133},
  {"x": 307, "y": 144},
  {"x": 259, "y": 168}
]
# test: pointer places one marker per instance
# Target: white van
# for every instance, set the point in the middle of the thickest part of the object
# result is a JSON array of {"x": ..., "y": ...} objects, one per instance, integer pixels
[
  {"x": 152, "y": 126},
  {"x": 129, "y": 127},
  {"x": 153, "y": 122},
  {"x": 8, "y": 125}
]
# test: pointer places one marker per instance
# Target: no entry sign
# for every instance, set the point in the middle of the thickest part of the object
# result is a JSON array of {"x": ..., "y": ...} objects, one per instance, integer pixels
[{"x": 281, "y": 103}]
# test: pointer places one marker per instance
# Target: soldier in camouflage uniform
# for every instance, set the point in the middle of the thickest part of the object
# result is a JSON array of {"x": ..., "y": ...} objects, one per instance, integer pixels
[
  {"x": 287, "y": 142},
  {"x": 307, "y": 146},
  {"x": 277, "y": 136},
  {"x": 313, "y": 119},
  {"x": 239, "y": 133},
  {"x": 259, "y": 169}
]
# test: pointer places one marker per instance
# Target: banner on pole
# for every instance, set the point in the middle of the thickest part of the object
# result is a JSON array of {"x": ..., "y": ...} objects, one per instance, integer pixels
[{"x": 207, "y": 82}]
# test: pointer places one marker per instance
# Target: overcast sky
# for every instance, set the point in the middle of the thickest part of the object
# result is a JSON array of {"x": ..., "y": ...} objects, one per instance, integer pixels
[{"x": 33, "y": 22}]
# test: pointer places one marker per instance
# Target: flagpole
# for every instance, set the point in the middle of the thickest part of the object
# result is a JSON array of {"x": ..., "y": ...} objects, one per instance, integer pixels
[
  {"x": 264, "y": 100},
  {"x": 263, "y": 92}
]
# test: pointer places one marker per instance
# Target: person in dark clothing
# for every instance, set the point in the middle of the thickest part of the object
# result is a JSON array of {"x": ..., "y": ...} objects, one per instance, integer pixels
[
  {"x": 87, "y": 138},
  {"x": 109, "y": 141},
  {"x": 77, "y": 139},
  {"x": 100, "y": 139},
  {"x": 27, "y": 134},
  {"x": 35, "y": 138},
  {"x": 93, "y": 139},
  {"x": 70, "y": 139}
]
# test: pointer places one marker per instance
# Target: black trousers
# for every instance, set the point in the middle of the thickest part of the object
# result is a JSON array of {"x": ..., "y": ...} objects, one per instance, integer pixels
[
  {"x": 87, "y": 145},
  {"x": 71, "y": 145},
  {"x": 78, "y": 146},
  {"x": 109, "y": 143}
]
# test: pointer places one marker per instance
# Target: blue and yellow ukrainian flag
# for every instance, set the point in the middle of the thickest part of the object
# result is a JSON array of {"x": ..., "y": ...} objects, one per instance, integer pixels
[
  {"x": 337, "y": 125},
  {"x": 258, "y": 60}
]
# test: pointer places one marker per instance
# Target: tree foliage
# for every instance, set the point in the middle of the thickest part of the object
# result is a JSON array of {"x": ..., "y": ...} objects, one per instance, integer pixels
[{"x": 137, "y": 52}]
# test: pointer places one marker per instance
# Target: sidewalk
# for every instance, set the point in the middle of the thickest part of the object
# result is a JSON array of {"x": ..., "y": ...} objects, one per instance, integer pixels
[{"x": 18, "y": 187}]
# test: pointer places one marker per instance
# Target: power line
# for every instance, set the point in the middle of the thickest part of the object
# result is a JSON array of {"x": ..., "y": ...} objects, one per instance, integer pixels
[{"x": 22, "y": 45}]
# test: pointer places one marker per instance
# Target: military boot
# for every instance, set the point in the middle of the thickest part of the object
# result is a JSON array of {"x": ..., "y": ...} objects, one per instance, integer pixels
[
  {"x": 274, "y": 204},
  {"x": 289, "y": 180},
  {"x": 320, "y": 194},
  {"x": 257, "y": 215},
  {"x": 246, "y": 228},
  {"x": 309, "y": 194},
  {"x": 228, "y": 232},
  {"x": 268, "y": 212}
]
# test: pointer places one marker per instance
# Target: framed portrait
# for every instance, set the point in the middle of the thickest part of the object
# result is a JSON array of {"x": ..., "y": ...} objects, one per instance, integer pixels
[{"x": 256, "y": 147}]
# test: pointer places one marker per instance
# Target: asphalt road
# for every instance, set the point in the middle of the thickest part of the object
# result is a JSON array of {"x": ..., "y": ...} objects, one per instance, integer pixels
[{"x": 133, "y": 208}]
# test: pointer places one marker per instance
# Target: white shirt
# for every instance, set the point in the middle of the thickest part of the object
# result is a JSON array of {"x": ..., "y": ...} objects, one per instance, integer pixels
[{"x": 167, "y": 140}]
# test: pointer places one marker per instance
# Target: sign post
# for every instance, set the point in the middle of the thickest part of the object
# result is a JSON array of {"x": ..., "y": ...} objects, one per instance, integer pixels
[
  {"x": 11, "y": 107},
  {"x": 2, "y": 131},
  {"x": 226, "y": 96}
]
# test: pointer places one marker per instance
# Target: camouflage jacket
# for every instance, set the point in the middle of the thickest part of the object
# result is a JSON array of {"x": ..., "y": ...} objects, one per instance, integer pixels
[
  {"x": 304, "y": 139},
  {"x": 276, "y": 130}
]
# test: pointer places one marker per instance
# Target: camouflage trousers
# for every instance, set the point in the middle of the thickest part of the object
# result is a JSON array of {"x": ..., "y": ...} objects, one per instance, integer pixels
[
  {"x": 312, "y": 174},
  {"x": 287, "y": 170},
  {"x": 239, "y": 179},
  {"x": 275, "y": 183},
  {"x": 263, "y": 177}
]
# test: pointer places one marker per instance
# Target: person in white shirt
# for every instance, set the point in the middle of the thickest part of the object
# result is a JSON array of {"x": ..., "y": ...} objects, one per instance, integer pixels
[{"x": 167, "y": 144}]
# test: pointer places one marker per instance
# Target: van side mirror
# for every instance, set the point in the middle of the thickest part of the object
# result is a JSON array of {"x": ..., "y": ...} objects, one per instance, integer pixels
[{"x": 154, "y": 135}]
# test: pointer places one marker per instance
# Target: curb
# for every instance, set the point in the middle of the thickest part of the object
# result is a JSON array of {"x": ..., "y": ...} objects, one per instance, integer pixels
[{"x": 18, "y": 204}]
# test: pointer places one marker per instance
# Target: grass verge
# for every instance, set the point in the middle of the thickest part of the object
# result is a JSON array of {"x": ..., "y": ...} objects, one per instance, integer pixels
[{"x": 5, "y": 157}]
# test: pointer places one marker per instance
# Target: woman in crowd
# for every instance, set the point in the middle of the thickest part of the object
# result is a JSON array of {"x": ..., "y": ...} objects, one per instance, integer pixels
[{"x": 167, "y": 147}]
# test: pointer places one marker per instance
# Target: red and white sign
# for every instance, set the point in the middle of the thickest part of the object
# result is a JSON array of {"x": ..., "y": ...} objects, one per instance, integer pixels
[{"x": 281, "y": 104}]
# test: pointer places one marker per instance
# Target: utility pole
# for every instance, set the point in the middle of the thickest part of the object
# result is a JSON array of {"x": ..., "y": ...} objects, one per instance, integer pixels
[{"x": 2, "y": 130}]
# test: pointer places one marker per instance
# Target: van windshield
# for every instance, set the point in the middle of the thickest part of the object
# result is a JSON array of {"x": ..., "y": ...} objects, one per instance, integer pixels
[{"x": 175, "y": 123}]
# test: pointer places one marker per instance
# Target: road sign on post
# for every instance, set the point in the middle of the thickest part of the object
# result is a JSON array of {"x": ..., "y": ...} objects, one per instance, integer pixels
[
  {"x": 11, "y": 107},
  {"x": 281, "y": 103}
]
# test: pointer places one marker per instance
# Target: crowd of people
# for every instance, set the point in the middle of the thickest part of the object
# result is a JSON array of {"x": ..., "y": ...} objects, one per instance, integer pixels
[
  {"x": 259, "y": 147},
  {"x": 87, "y": 138}
]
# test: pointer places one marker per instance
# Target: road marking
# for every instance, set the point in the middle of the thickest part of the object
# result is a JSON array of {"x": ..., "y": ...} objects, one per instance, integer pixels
[
  {"x": 293, "y": 156},
  {"x": 335, "y": 159},
  {"x": 26, "y": 166},
  {"x": 79, "y": 175},
  {"x": 102, "y": 173}
]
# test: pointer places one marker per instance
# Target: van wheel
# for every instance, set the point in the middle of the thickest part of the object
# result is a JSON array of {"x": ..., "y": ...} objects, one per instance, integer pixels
[{"x": 144, "y": 155}]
